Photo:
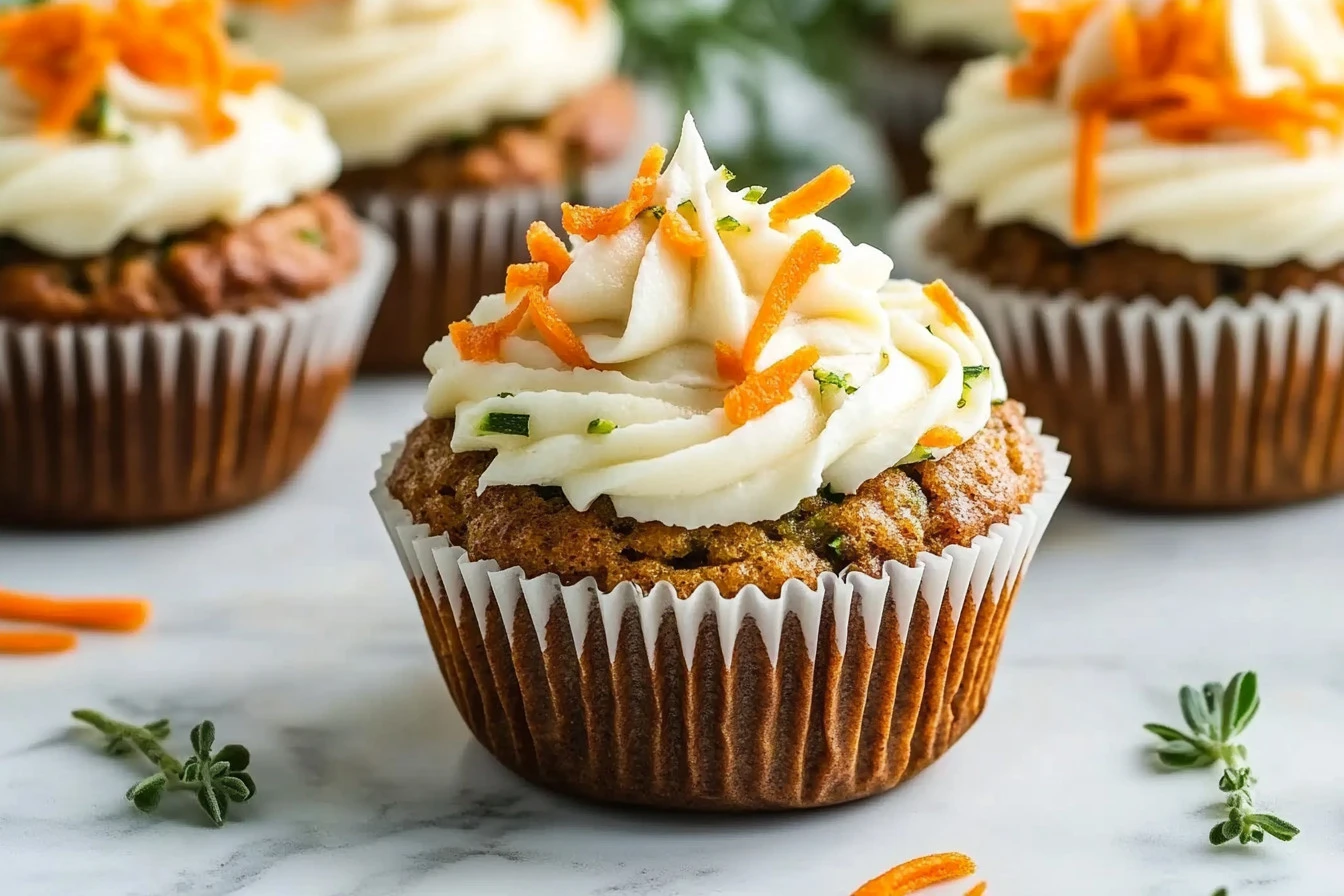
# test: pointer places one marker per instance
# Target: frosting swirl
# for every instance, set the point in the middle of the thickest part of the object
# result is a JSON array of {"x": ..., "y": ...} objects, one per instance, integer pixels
[
  {"x": 973, "y": 24},
  {"x": 648, "y": 426},
  {"x": 391, "y": 76},
  {"x": 145, "y": 160},
  {"x": 1227, "y": 189}
]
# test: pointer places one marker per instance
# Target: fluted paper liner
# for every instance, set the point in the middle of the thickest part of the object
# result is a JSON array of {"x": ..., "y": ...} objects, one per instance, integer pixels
[
  {"x": 1169, "y": 405},
  {"x": 451, "y": 250},
  {"x": 109, "y": 424},
  {"x": 828, "y": 693}
]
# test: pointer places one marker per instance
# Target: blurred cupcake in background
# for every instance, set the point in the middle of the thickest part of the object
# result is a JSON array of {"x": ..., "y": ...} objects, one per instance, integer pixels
[
  {"x": 460, "y": 122},
  {"x": 1147, "y": 209},
  {"x": 931, "y": 41},
  {"x": 181, "y": 303}
]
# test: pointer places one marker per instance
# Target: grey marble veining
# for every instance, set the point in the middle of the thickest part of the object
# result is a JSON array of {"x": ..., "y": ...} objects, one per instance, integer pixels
[{"x": 290, "y": 626}]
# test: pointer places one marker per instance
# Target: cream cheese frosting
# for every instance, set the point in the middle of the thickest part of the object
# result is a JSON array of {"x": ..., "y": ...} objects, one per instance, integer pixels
[
  {"x": 1234, "y": 198},
  {"x": 985, "y": 25},
  {"x": 392, "y": 76},
  {"x": 148, "y": 176},
  {"x": 649, "y": 317}
]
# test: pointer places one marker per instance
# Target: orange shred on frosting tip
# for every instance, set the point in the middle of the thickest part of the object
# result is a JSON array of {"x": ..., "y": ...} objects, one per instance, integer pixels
[
  {"x": 941, "y": 437},
  {"x": 919, "y": 874},
  {"x": 978, "y": 889},
  {"x": 804, "y": 259},
  {"x": 728, "y": 362},
  {"x": 769, "y": 388},
  {"x": 940, "y": 294},
  {"x": 113, "y": 614},
  {"x": 812, "y": 196},
  {"x": 484, "y": 342},
  {"x": 588, "y": 222},
  {"x": 36, "y": 641},
  {"x": 521, "y": 276},
  {"x": 582, "y": 9},
  {"x": 544, "y": 246},
  {"x": 557, "y": 334},
  {"x": 58, "y": 54},
  {"x": 678, "y": 234}
]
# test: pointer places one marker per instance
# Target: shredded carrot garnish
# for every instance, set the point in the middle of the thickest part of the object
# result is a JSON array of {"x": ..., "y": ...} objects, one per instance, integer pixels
[
  {"x": 812, "y": 196},
  {"x": 557, "y": 334},
  {"x": 978, "y": 889},
  {"x": 484, "y": 342},
  {"x": 728, "y": 362},
  {"x": 587, "y": 222},
  {"x": 583, "y": 9},
  {"x": 121, "y": 614},
  {"x": 521, "y": 276},
  {"x": 35, "y": 642},
  {"x": 941, "y": 437},
  {"x": 941, "y": 295},
  {"x": 769, "y": 388},
  {"x": 680, "y": 236},
  {"x": 1174, "y": 74},
  {"x": 544, "y": 246},
  {"x": 805, "y": 258},
  {"x": 919, "y": 874}
]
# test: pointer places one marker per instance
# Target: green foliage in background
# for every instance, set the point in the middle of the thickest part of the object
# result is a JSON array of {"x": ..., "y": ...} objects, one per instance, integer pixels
[{"x": 771, "y": 83}]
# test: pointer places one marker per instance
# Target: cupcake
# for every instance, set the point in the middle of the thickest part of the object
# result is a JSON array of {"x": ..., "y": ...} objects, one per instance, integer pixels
[
  {"x": 930, "y": 41},
  {"x": 1143, "y": 210},
  {"x": 708, "y": 513},
  {"x": 460, "y": 122},
  {"x": 181, "y": 303}
]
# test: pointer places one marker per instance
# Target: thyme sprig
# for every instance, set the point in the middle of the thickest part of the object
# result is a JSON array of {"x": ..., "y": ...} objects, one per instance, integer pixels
[
  {"x": 1216, "y": 716},
  {"x": 217, "y": 778}
]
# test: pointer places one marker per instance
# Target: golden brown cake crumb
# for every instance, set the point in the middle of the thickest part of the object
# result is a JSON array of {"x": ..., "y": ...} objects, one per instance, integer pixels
[{"x": 894, "y": 516}]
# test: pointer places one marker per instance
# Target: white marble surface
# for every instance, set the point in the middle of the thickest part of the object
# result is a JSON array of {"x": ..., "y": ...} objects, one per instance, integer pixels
[{"x": 290, "y": 626}]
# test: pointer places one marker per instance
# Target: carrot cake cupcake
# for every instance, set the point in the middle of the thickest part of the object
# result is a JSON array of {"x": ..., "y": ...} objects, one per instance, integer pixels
[
  {"x": 1145, "y": 209},
  {"x": 708, "y": 513},
  {"x": 181, "y": 303},
  {"x": 460, "y": 122}
]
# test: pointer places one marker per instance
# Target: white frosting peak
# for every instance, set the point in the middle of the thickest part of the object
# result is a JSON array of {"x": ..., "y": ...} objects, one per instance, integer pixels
[
  {"x": 1235, "y": 197},
  {"x": 649, "y": 317},
  {"x": 392, "y": 76}
]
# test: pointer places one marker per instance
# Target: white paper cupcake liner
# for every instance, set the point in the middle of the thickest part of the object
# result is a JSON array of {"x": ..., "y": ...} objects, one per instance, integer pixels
[
  {"x": 832, "y": 691},
  {"x": 104, "y": 424},
  {"x": 1168, "y": 404}
]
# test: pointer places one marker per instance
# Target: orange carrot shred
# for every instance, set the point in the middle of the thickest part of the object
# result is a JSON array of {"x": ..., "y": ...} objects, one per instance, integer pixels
[
  {"x": 589, "y": 223},
  {"x": 582, "y": 9},
  {"x": 939, "y": 294},
  {"x": 120, "y": 614},
  {"x": 484, "y": 342},
  {"x": 521, "y": 276},
  {"x": 544, "y": 246},
  {"x": 769, "y": 388},
  {"x": 652, "y": 163},
  {"x": 812, "y": 196},
  {"x": 680, "y": 236},
  {"x": 36, "y": 642},
  {"x": 728, "y": 362},
  {"x": 941, "y": 437},
  {"x": 558, "y": 335},
  {"x": 918, "y": 874},
  {"x": 1091, "y": 136},
  {"x": 978, "y": 889},
  {"x": 804, "y": 259}
]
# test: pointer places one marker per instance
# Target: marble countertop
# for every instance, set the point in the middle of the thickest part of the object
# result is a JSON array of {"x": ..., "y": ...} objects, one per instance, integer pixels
[{"x": 289, "y": 625}]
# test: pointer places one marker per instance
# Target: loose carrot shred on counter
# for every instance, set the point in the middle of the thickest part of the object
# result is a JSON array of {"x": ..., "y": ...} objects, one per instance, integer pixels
[
  {"x": 544, "y": 246},
  {"x": 804, "y": 259},
  {"x": 680, "y": 236},
  {"x": 728, "y": 362},
  {"x": 36, "y": 642},
  {"x": 941, "y": 437},
  {"x": 812, "y": 196},
  {"x": 941, "y": 295},
  {"x": 558, "y": 335},
  {"x": 119, "y": 614},
  {"x": 760, "y": 392},
  {"x": 978, "y": 889},
  {"x": 919, "y": 874}
]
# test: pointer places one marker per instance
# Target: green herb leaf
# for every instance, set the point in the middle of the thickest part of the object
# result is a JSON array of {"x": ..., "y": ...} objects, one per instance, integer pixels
[
  {"x": 829, "y": 383},
  {"x": 147, "y": 794},
  {"x": 837, "y": 546},
  {"x": 686, "y": 207},
  {"x": 203, "y": 740},
  {"x": 1274, "y": 826},
  {"x": 1196, "y": 712},
  {"x": 498, "y": 423},
  {"x": 654, "y": 211},
  {"x": 1241, "y": 701},
  {"x": 1181, "y": 754},
  {"x": 969, "y": 375},
  {"x": 918, "y": 455},
  {"x": 729, "y": 224},
  {"x": 1166, "y": 732},
  {"x": 504, "y": 395},
  {"x": 727, "y": 175},
  {"x": 313, "y": 237},
  {"x": 601, "y": 427},
  {"x": 754, "y": 194}
]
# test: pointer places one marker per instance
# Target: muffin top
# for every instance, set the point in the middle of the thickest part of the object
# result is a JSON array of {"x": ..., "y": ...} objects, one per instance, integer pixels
[
  {"x": 706, "y": 357},
  {"x": 1210, "y": 130},
  {"x": 393, "y": 76},
  {"x": 969, "y": 26}
]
